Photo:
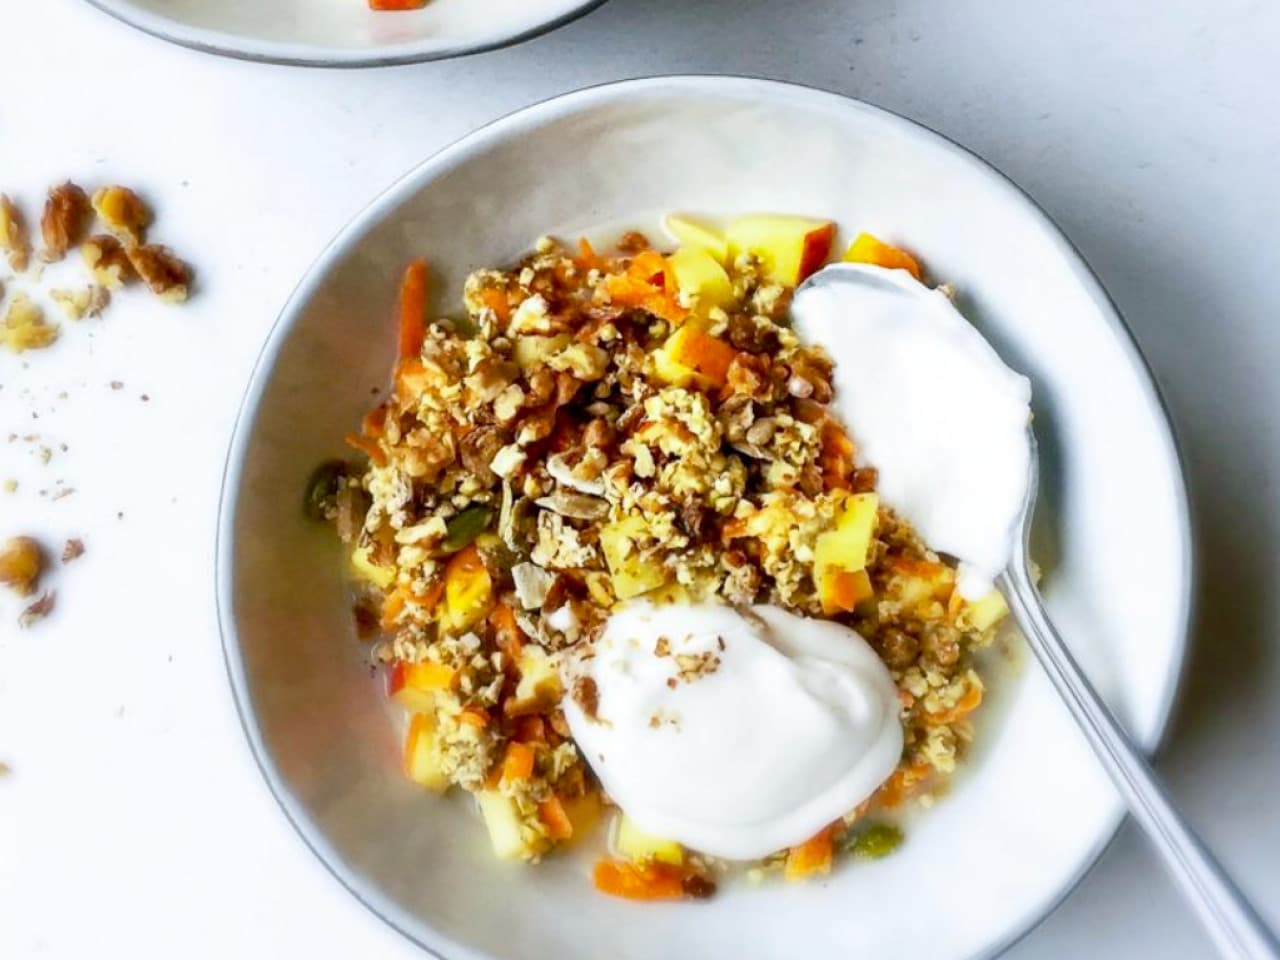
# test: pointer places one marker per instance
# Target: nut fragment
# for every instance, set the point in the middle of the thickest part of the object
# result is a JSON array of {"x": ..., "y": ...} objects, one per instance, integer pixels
[
  {"x": 123, "y": 211},
  {"x": 21, "y": 563},
  {"x": 106, "y": 258},
  {"x": 168, "y": 277},
  {"x": 71, "y": 549},
  {"x": 36, "y": 610},
  {"x": 25, "y": 327},
  {"x": 14, "y": 239},
  {"x": 87, "y": 301},
  {"x": 65, "y": 220}
]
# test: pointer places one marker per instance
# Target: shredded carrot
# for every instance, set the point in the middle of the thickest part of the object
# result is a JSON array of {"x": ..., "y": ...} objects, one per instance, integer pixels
[
  {"x": 553, "y": 816},
  {"x": 397, "y": 4},
  {"x": 587, "y": 258},
  {"x": 634, "y": 881},
  {"x": 518, "y": 762},
  {"x": 812, "y": 856},
  {"x": 392, "y": 605},
  {"x": 432, "y": 595},
  {"x": 496, "y": 300},
  {"x": 374, "y": 423},
  {"x": 868, "y": 249},
  {"x": 836, "y": 458},
  {"x": 411, "y": 380},
  {"x": 413, "y": 309},
  {"x": 366, "y": 446},
  {"x": 970, "y": 702},
  {"x": 474, "y": 717},
  {"x": 900, "y": 785},
  {"x": 503, "y": 620}
]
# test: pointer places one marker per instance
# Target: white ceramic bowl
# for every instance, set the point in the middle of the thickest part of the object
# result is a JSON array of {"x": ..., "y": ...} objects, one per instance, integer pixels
[
  {"x": 1030, "y": 813},
  {"x": 344, "y": 33}
]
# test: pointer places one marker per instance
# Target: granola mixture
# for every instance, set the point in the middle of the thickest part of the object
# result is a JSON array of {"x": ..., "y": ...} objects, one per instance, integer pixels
[{"x": 588, "y": 430}]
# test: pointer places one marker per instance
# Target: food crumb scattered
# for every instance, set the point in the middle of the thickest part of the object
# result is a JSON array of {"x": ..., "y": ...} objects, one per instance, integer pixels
[
  {"x": 123, "y": 212},
  {"x": 107, "y": 261},
  {"x": 117, "y": 384},
  {"x": 22, "y": 561},
  {"x": 36, "y": 611},
  {"x": 11, "y": 485},
  {"x": 25, "y": 327},
  {"x": 14, "y": 240},
  {"x": 66, "y": 219},
  {"x": 168, "y": 277},
  {"x": 71, "y": 549},
  {"x": 83, "y": 302}
]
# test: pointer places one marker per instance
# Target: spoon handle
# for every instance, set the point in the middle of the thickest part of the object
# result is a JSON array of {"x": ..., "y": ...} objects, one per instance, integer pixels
[{"x": 1235, "y": 928}]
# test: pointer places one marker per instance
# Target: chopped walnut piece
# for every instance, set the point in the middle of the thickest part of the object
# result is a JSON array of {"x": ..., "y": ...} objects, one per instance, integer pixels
[
  {"x": 65, "y": 220},
  {"x": 21, "y": 563},
  {"x": 25, "y": 327},
  {"x": 72, "y": 549},
  {"x": 14, "y": 239},
  {"x": 168, "y": 277},
  {"x": 37, "y": 610},
  {"x": 107, "y": 259},
  {"x": 123, "y": 211},
  {"x": 87, "y": 301}
]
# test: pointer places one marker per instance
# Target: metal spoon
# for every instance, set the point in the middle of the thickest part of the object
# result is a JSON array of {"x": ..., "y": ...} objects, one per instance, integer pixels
[
  {"x": 1231, "y": 922},
  {"x": 1235, "y": 928}
]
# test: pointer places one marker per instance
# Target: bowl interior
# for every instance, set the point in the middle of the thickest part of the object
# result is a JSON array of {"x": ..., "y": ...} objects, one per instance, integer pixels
[
  {"x": 1031, "y": 811},
  {"x": 343, "y": 31}
]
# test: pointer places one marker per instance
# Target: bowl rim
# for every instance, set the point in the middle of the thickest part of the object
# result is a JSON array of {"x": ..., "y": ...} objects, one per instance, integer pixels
[
  {"x": 238, "y": 47},
  {"x": 512, "y": 124}
]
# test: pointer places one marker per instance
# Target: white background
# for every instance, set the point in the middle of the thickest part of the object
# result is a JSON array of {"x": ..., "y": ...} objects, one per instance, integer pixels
[{"x": 134, "y": 823}]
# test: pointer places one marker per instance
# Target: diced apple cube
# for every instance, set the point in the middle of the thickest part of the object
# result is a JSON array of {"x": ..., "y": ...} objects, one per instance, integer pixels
[
  {"x": 689, "y": 355},
  {"x": 422, "y": 758},
  {"x": 414, "y": 685},
  {"x": 842, "y": 590},
  {"x": 468, "y": 589},
  {"x": 631, "y": 573},
  {"x": 530, "y": 351},
  {"x": 868, "y": 249},
  {"x": 503, "y": 822},
  {"x": 539, "y": 688},
  {"x": 846, "y": 546},
  {"x": 987, "y": 611},
  {"x": 634, "y": 844},
  {"x": 788, "y": 248},
  {"x": 363, "y": 566},
  {"x": 699, "y": 236},
  {"x": 700, "y": 278}
]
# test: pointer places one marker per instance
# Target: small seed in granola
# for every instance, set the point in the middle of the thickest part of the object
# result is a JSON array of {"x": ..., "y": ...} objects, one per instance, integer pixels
[
  {"x": 161, "y": 270},
  {"x": 14, "y": 239},
  {"x": 66, "y": 218},
  {"x": 22, "y": 562},
  {"x": 123, "y": 212}
]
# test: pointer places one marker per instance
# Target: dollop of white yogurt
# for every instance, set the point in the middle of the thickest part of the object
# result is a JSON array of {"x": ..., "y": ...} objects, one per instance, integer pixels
[
  {"x": 736, "y": 732},
  {"x": 932, "y": 407}
]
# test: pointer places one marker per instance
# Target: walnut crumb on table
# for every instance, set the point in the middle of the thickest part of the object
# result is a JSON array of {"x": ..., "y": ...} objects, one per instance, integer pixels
[
  {"x": 72, "y": 549},
  {"x": 66, "y": 218},
  {"x": 37, "y": 610},
  {"x": 14, "y": 239}
]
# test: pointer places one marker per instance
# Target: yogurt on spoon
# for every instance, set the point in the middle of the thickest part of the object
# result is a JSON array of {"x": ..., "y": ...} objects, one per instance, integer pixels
[{"x": 930, "y": 405}]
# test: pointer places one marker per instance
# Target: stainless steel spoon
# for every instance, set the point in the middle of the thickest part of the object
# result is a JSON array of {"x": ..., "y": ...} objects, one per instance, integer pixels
[
  {"x": 1231, "y": 922},
  {"x": 1234, "y": 926}
]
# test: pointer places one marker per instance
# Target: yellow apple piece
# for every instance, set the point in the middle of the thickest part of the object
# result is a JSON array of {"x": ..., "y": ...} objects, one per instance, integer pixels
[
  {"x": 363, "y": 566},
  {"x": 630, "y": 572},
  {"x": 538, "y": 689},
  {"x": 584, "y": 812},
  {"x": 634, "y": 844},
  {"x": 788, "y": 248},
  {"x": 987, "y": 610},
  {"x": 692, "y": 356},
  {"x": 468, "y": 589},
  {"x": 414, "y": 685},
  {"x": 503, "y": 822},
  {"x": 868, "y": 249},
  {"x": 422, "y": 759},
  {"x": 700, "y": 278},
  {"x": 698, "y": 236}
]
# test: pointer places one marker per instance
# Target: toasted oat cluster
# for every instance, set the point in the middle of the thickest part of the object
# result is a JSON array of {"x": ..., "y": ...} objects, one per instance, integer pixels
[{"x": 594, "y": 427}]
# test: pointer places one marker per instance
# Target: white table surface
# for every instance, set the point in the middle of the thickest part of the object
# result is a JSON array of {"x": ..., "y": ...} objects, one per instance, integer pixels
[{"x": 134, "y": 822}]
